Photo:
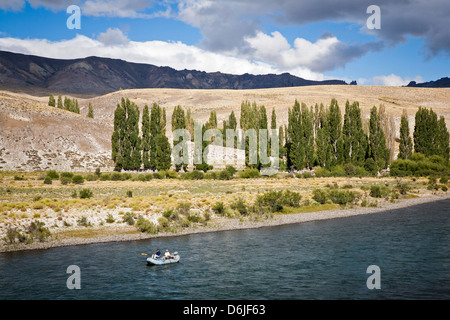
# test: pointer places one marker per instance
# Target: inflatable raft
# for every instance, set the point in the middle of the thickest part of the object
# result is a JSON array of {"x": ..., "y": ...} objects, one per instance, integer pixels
[{"x": 153, "y": 260}]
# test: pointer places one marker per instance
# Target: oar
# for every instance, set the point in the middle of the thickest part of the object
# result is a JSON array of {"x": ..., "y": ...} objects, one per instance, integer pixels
[{"x": 144, "y": 254}]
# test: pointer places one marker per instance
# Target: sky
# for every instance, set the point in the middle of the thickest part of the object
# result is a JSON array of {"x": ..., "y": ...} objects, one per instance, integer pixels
[{"x": 312, "y": 39}]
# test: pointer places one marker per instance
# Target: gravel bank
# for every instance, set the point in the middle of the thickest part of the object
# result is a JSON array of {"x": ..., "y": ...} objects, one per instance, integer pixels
[{"x": 115, "y": 234}]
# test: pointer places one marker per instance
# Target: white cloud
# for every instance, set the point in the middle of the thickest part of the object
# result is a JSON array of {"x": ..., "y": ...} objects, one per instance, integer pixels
[
  {"x": 113, "y": 36},
  {"x": 174, "y": 54},
  {"x": 326, "y": 54},
  {"x": 394, "y": 80}
]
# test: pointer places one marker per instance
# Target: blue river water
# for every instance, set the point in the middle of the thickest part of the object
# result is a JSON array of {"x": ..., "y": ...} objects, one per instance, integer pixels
[{"x": 314, "y": 260}]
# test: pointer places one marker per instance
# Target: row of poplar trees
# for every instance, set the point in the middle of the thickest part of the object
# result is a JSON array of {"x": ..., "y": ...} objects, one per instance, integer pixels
[
  {"x": 321, "y": 137},
  {"x": 147, "y": 146},
  {"x": 430, "y": 135},
  {"x": 130, "y": 149},
  {"x": 315, "y": 136}
]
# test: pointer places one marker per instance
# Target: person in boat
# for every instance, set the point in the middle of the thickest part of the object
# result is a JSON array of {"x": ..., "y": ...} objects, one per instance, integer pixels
[
  {"x": 158, "y": 253},
  {"x": 167, "y": 254}
]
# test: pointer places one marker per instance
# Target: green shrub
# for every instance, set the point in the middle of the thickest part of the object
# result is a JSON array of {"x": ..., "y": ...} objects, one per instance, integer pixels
[
  {"x": 307, "y": 175},
  {"x": 361, "y": 172},
  {"x": 225, "y": 175},
  {"x": 322, "y": 172},
  {"x": 184, "y": 208},
  {"x": 342, "y": 197},
  {"x": 270, "y": 200},
  {"x": 194, "y": 218},
  {"x": 91, "y": 177},
  {"x": 66, "y": 175},
  {"x": 211, "y": 175},
  {"x": 157, "y": 175},
  {"x": 402, "y": 187},
  {"x": 105, "y": 177},
  {"x": 129, "y": 194},
  {"x": 194, "y": 175},
  {"x": 320, "y": 196},
  {"x": 274, "y": 201},
  {"x": 249, "y": 173},
  {"x": 443, "y": 179},
  {"x": 419, "y": 166},
  {"x": 116, "y": 176},
  {"x": 349, "y": 169},
  {"x": 240, "y": 206},
  {"x": 86, "y": 193},
  {"x": 83, "y": 221},
  {"x": 163, "y": 222},
  {"x": 219, "y": 208},
  {"x": 36, "y": 230},
  {"x": 230, "y": 169},
  {"x": 338, "y": 171},
  {"x": 291, "y": 199},
  {"x": 378, "y": 191},
  {"x": 128, "y": 218},
  {"x": 47, "y": 180},
  {"x": 171, "y": 215},
  {"x": 64, "y": 180},
  {"x": 144, "y": 225},
  {"x": 52, "y": 174},
  {"x": 12, "y": 234},
  {"x": 77, "y": 179},
  {"x": 444, "y": 188},
  {"x": 110, "y": 218}
]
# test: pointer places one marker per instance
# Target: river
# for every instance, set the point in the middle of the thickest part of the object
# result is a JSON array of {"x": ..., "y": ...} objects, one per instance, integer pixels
[{"x": 315, "y": 260}]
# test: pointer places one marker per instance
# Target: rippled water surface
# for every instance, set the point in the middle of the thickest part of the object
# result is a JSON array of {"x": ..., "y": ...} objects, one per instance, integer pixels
[{"x": 314, "y": 260}]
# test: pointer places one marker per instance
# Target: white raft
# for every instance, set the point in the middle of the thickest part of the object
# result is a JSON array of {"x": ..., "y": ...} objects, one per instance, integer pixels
[{"x": 153, "y": 260}]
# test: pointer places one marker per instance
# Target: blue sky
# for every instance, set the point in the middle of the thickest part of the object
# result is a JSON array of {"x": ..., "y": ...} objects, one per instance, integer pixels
[{"x": 311, "y": 39}]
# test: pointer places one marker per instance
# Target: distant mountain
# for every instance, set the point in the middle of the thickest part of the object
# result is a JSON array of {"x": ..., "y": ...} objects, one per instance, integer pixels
[
  {"x": 441, "y": 83},
  {"x": 96, "y": 76}
]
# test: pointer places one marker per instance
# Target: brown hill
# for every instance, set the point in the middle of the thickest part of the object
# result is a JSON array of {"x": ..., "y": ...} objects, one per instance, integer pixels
[{"x": 34, "y": 136}]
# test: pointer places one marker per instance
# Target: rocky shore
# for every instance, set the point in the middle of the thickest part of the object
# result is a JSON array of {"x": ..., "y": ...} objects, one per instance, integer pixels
[{"x": 129, "y": 233}]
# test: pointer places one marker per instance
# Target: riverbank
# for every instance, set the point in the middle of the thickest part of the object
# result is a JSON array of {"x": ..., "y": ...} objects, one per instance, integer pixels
[{"x": 217, "y": 224}]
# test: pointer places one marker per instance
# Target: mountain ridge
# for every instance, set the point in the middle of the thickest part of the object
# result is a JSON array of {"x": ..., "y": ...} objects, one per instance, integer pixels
[
  {"x": 93, "y": 75},
  {"x": 440, "y": 83}
]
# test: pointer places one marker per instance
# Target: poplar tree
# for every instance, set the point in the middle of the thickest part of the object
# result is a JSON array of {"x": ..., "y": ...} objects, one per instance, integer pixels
[
  {"x": 118, "y": 136},
  {"x": 212, "y": 121},
  {"x": 60, "y": 103},
  {"x": 431, "y": 136},
  {"x": 190, "y": 123},
  {"x": 295, "y": 149},
  {"x": 442, "y": 138},
  {"x": 200, "y": 151},
  {"x": 90, "y": 111},
  {"x": 163, "y": 152},
  {"x": 51, "y": 101},
  {"x": 231, "y": 124},
  {"x": 377, "y": 141},
  {"x": 334, "y": 129},
  {"x": 322, "y": 137},
  {"x": 160, "y": 151},
  {"x": 146, "y": 138},
  {"x": 424, "y": 131},
  {"x": 405, "y": 146},
  {"x": 179, "y": 122},
  {"x": 354, "y": 138},
  {"x": 125, "y": 140},
  {"x": 307, "y": 140}
]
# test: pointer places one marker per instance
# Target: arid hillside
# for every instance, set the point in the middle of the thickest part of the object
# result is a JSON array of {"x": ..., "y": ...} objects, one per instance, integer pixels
[{"x": 34, "y": 136}]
